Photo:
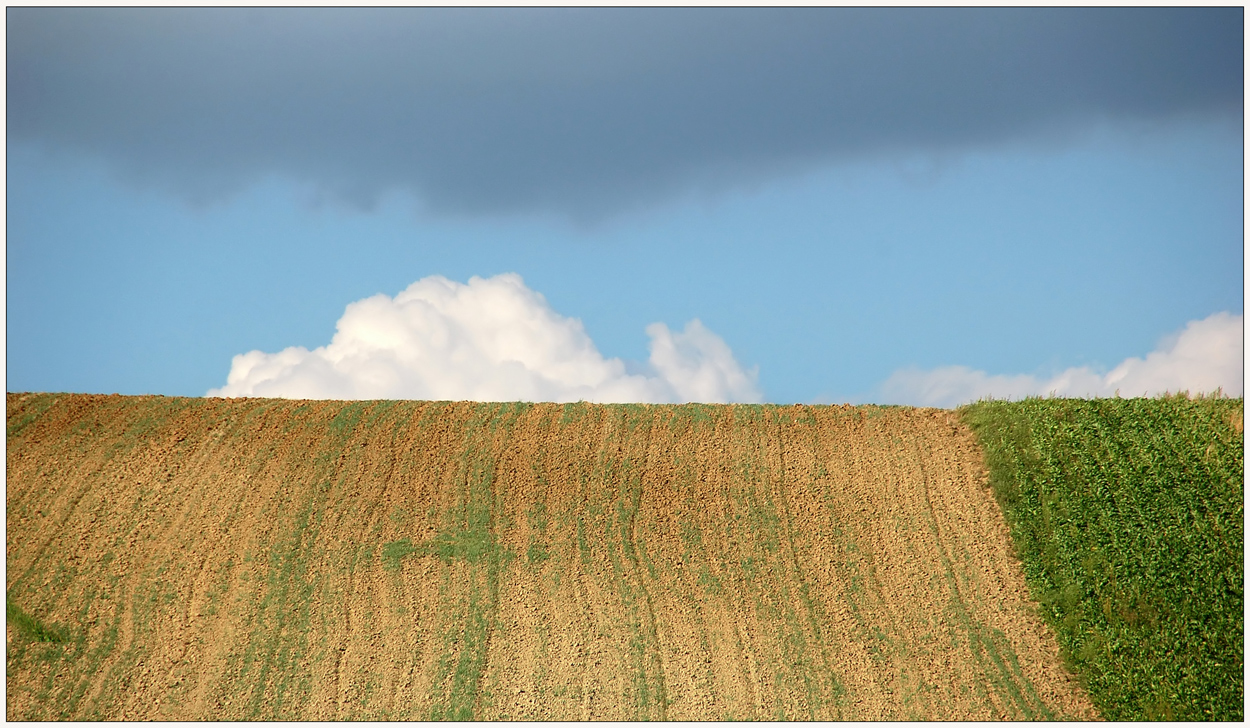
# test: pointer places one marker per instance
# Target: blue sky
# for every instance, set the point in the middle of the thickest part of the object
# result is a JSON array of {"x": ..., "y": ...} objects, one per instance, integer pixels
[{"x": 153, "y": 236}]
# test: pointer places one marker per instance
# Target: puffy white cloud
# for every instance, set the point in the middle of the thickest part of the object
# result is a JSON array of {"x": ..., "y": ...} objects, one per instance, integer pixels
[
  {"x": 492, "y": 339},
  {"x": 1204, "y": 356},
  {"x": 698, "y": 365}
]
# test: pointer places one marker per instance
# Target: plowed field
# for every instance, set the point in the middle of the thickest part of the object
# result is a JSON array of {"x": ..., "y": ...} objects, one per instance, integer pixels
[{"x": 252, "y": 558}]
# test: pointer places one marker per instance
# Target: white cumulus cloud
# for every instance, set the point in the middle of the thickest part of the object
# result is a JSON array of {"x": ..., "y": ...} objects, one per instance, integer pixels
[
  {"x": 1204, "y": 356},
  {"x": 492, "y": 339}
]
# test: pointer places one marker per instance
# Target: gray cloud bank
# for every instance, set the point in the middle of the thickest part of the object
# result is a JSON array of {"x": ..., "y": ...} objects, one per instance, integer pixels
[{"x": 585, "y": 111}]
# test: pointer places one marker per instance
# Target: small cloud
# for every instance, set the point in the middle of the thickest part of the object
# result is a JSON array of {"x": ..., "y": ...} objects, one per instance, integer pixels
[
  {"x": 492, "y": 339},
  {"x": 698, "y": 365},
  {"x": 1206, "y": 355}
]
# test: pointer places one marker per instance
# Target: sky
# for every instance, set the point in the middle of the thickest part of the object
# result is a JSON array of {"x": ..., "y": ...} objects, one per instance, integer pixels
[{"x": 899, "y": 206}]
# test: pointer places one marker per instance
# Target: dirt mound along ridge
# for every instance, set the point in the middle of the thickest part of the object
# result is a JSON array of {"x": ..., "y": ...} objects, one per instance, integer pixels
[{"x": 266, "y": 559}]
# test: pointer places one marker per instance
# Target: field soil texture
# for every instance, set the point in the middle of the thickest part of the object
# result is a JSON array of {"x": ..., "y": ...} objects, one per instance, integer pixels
[{"x": 182, "y": 559}]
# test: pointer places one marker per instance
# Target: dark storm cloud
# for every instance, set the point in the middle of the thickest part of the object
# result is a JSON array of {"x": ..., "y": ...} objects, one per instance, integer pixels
[{"x": 585, "y": 111}]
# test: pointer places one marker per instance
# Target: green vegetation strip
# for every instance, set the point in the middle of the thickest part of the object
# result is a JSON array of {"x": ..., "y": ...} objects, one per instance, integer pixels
[
  {"x": 29, "y": 627},
  {"x": 1128, "y": 517}
]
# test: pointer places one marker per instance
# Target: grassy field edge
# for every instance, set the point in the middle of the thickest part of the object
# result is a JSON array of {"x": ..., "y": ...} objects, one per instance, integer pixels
[{"x": 1127, "y": 515}]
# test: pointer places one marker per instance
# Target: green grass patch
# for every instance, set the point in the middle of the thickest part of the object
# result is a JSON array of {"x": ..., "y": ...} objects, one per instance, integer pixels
[
  {"x": 30, "y": 627},
  {"x": 29, "y": 409},
  {"x": 396, "y": 550},
  {"x": 536, "y": 554},
  {"x": 471, "y": 544},
  {"x": 1128, "y": 517}
]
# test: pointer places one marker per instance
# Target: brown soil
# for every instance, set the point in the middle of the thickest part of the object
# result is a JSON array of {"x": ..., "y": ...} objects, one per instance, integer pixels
[{"x": 262, "y": 559}]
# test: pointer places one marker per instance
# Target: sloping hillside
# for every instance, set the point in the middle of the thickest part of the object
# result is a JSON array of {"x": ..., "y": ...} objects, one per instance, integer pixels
[
  {"x": 173, "y": 558},
  {"x": 1129, "y": 517}
]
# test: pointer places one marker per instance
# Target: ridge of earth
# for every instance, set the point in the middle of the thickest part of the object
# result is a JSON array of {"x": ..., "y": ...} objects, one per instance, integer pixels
[{"x": 226, "y": 559}]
